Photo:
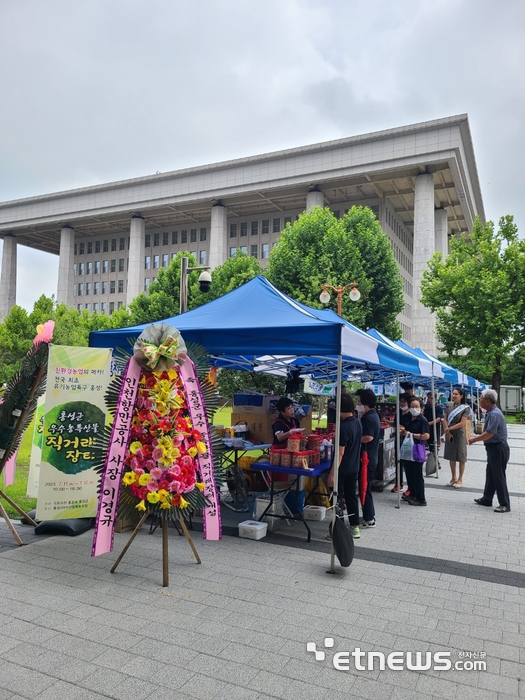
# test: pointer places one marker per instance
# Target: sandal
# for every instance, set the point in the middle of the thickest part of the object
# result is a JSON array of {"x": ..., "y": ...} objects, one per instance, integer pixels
[
  {"x": 458, "y": 484},
  {"x": 452, "y": 483}
]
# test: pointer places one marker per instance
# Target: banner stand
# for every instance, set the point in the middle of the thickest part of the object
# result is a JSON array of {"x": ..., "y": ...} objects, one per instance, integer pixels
[{"x": 165, "y": 560}]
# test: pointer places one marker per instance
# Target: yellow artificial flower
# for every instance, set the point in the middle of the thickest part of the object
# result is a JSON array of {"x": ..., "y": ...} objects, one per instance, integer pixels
[
  {"x": 129, "y": 478},
  {"x": 192, "y": 451},
  {"x": 166, "y": 460},
  {"x": 165, "y": 504},
  {"x": 141, "y": 506},
  {"x": 175, "y": 452},
  {"x": 161, "y": 408},
  {"x": 165, "y": 442},
  {"x": 144, "y": 479},
  {"x": 200, "y": 486},
  {"x": 183, "y": 502},
  {"x": 135, "y": 446},
  {"x": 201, "y": 447},
  {"x": 163, "y": 494},
  {"x": 153, "y": 497}
]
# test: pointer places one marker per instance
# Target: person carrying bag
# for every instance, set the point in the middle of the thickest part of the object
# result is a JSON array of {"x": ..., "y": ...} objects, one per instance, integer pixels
[{"x": 414, "y": 429}]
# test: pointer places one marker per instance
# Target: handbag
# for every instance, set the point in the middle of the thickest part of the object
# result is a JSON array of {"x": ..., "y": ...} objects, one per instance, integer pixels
[
  {"x": 430, "y": 466},
  {"x": 343, "y": 543},
  {"x": 419, "y": 453},
  {"x": 407, "y": 448}
]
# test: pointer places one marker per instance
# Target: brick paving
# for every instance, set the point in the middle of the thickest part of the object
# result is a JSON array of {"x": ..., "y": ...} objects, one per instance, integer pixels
[{"x": 449, "y": 577}]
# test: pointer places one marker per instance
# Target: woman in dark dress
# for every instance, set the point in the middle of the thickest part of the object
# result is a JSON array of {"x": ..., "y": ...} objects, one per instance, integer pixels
[{"x": 414, "y": 422}]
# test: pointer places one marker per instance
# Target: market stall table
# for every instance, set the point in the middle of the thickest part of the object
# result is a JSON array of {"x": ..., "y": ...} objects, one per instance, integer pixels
[
  {"x": 237, "y": 499},
  {"x": 316, "y": 472}
]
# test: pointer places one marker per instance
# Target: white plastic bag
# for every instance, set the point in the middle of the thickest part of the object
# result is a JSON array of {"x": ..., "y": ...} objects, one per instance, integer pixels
[{"x": 407, "y": 448}]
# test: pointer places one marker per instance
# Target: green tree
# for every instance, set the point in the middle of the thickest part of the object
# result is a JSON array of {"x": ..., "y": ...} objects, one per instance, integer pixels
[
  {"x": 318, "y": 248},
  {"x": 385, "y": 300},
  {"x": 513, "y": 372},
  {"x": 478, "y": 293}
]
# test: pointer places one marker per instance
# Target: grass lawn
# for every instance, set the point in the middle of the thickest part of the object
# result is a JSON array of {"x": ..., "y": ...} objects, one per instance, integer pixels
[{"x": 18, "y": 490}]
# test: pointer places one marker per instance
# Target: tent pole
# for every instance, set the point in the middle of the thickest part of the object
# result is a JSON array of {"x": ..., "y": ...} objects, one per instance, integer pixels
[
  {"x": 335, "y": 456},
  {"x": 398, "y": 445},
  {"x": 434, "y": 426}
]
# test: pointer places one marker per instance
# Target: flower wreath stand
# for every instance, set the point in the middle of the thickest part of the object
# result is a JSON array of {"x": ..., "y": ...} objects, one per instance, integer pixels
[
  {"x": 17, "y": 408},
  {"x": 158, "y": 454}
]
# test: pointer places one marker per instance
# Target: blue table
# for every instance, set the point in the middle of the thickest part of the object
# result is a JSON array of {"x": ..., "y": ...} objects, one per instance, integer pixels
[{"x": 316, "y": 471}]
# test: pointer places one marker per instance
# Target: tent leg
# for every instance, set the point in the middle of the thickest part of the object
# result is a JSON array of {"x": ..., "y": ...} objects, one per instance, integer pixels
[
  {"x": 335, "y": 457},
  {"x": 398, "y": 445}
]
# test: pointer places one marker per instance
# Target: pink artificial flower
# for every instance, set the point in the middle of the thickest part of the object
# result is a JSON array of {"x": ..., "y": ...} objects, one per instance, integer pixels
[
  {"x": 138, "y": 471},
  {"x": 149, "y": 465},
  {"x": 157, "y": 453},
  {"x": 175, "y": 486},
  {"x": 152, "y": 485},
  {"x": 175, "y": 470},
  {"x": 156, "y": 472},
  {"x": 44, "y": 332}
]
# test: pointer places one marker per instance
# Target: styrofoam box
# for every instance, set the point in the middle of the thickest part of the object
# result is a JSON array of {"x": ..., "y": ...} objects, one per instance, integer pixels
[
  {"x": 314, "y": 512},
  {"x": 253, "y": 529}
]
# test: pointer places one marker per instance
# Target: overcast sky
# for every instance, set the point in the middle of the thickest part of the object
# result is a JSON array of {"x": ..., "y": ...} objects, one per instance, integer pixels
[{"x": 104, "y": 90}]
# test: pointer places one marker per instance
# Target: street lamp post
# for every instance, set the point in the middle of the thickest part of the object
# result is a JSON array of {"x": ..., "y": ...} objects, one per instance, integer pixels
[
  {"x": 204, "y": 281},
  {"x": 354, "y": 295}
]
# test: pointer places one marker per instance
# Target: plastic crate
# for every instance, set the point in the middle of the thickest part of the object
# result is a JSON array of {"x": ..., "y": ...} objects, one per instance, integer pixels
[{"x": 253, "y": 529}]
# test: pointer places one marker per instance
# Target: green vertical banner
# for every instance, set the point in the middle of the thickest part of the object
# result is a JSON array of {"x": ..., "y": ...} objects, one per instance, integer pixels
[
  {"x": 36, "y": 450},
  {"x": 74, "y": 416}
]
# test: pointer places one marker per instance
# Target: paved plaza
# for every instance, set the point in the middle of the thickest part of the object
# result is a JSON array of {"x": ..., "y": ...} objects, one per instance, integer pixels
[{"x": 446, "y": 578}]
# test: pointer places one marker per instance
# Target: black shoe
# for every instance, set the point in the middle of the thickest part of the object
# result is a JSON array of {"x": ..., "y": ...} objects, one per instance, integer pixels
[
  {"x": 502, "y": 509},
  {"x": 415, "y": 502},
  {"x": 481, "y": 502}
]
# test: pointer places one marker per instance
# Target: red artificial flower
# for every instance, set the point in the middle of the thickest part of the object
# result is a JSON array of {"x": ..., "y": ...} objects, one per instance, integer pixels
[
  {"x": 175, "y": 500},
  {"x": 164, "y": 484},
  {"x": 151, "y": 382},
  {"x": 196, "y": 434}
]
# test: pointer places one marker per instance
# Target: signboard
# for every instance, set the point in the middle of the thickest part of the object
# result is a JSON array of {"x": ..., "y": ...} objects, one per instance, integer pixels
[
  {"x": 36, "y": 450},
  {"x": 74, "y": 416},
  {"x": 313, "y": 387}
]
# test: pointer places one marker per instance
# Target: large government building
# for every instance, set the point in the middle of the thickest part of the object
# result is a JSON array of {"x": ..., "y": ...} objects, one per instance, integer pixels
[{"x": 420, "y": 180}]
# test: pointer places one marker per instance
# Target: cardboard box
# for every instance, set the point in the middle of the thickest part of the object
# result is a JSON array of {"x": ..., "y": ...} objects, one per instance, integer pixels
[
  {"x": 260, "y": 424},
  {"x": 125, "y": 524},
  {"x": 254, "y": 403}
]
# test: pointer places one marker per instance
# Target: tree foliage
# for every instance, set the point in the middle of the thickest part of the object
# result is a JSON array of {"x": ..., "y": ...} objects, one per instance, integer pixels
[
  {"x": 319, "y": 248},
  {"x": 478, "y": 294}
]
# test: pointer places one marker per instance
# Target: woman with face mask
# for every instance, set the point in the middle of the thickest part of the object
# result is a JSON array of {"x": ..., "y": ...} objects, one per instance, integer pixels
[
  {"x": 404, "y": 401},
  {"x": 457, "y": 415},
  {"x": 414, "y": 422}
]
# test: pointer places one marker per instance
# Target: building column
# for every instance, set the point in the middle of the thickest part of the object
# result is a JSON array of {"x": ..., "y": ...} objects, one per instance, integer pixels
[
  {"x": 8, "y": 276},
  {"x": 136, "y": 257},
  {"x": 423, "y": 321},
  {"x": 441, "y": 232},
  {"x": 314, "y": 198},
  {"x": 218, "y": 235},
  {"x": 66, "y": 266}
]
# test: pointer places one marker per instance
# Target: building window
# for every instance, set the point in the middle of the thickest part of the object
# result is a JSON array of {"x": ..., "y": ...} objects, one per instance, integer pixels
[
  {"x": 264, "y": 251},
  {"x": 193, "y": 235},
  {"x": 90, "y": 247},
  {"x": 104, "y": 287},
  {"x": 156, "y": 262},
  {"x": 105, "y": 266},
  {"x": 103, "y": 307},
  {"x": 82, "y": 248},
  {"x": 174, "y": 238},
  {"x": 183, "y": 236},
  {"x": 121, "y": 264},
  {"x": 337, "y": 213},
  {"x": 165, "y": 238},
  {"x": 88, "y": 307},
  {"x": 202, "y": 257},
  {"x": 173, "y": 255},
  {"x": 287, "y": 220},
  {"x": 232, "y": 252},
  {"x": 244, "y": 249},
  {"x": 156, "y": 239},
  {"x": 79, "y": 307},
  {"x": 96, "y": 287},
  {"x": 253, "y": 251},
  {"x": 89, "y": 268},
  {"x": 97, "y": 267},
  {"x": 266, "y": 226},
  {"x": 244, "y": 229},
  {"x": 95, "y": 307},
  {"x": 80, "y": 289},
  {"x": 194, "y": 253},
  {"x": 111, "y": 307},
  {"x": 233, "y": 230},
  {"x": 165, "y": 260},
  {"x": 147, "y": 241},
  {"x": 113, "y": 244},
  {"x": 122, "y": 244},
  {"x": 105, "y": 246},
  {"x": 88, "y": 289},
  {"x": 113, "y": 266},
  {"x": 276, "y": 226},
  {"x": 147, "y": 262},
  {"x": 120, "y": 304},
  {"x": 146, "y": 284},
  {"x": 203, "y": 234},
  {"x": 97, "y": 246},
  {"x": 121, "y": 286},
  {"x": 80, "y": 268},
  {"x": 112, "y": 287},
  {"x": 255, "y": 228},
  {"x": 75, "y": 270},
  {"x": 75, "y": 249}
]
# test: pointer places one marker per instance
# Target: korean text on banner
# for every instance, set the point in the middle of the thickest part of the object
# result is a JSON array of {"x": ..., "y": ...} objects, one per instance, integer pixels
[
  {"x": 75, "y": 414},
  {"x": 36, "y": 450}
]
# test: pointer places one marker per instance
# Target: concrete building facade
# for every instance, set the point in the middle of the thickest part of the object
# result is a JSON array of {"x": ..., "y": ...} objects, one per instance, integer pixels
[{"x": 420, "y": 180}]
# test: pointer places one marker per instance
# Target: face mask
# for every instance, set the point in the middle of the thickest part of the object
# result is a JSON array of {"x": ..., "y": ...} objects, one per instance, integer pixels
[
  {"x": 360, "y": 410},
  {"x": 415, "y": 411},
  {"x": 403, "y": 407}
]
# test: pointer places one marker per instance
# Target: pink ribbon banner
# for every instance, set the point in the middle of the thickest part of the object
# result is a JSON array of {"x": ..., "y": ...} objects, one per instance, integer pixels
[
  {"x": 9, "y": 470},
  {"x": 114, "y": 466},
  {"x": 212, "y": 514}
]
